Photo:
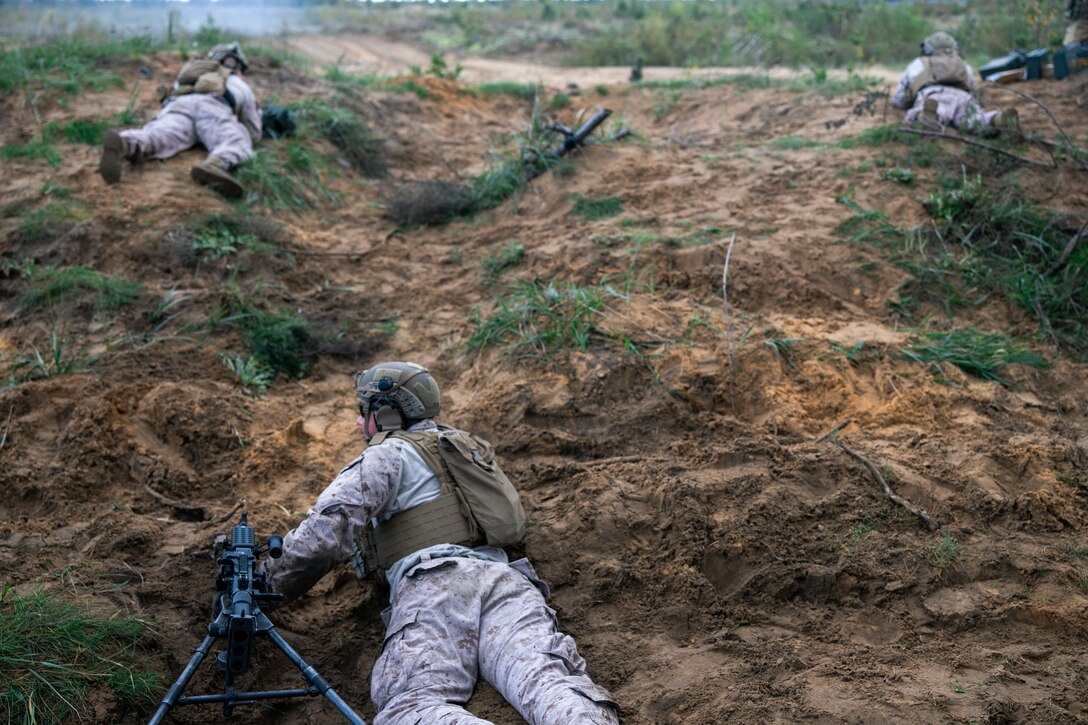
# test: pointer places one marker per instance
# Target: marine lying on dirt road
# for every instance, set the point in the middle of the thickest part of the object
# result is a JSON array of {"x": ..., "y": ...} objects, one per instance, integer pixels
[
  {"x": 210, "y": 103},
  {"x": 938, "y": 89}
]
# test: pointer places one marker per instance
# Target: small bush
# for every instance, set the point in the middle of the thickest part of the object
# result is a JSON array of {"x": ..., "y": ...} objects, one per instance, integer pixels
[
  {"x": 426, "y": 202},
  {"x": 281, "y": 342},
  {"x": 559, "y": 100}
]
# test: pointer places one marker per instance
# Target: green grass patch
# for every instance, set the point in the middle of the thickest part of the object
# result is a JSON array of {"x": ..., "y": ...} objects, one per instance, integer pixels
[
  {"x": 39, "y": 149},
  {"x": 282, "y": 342},
  {"x": 976, "y": 353},
  {"x": 538, "y": 318},
  {"x": 290, "y": 175},
  {"x": 81, "y": 130},
  {"x": 254, "y": 378},
  {"x": 69, "y": 65},
  {"x": 50, "y": 285},
  {"x": 358, "y": 145},
  {"x": 987, "y": 239},
  {"x": 47, "y": 222},
  {"x": 593, "y": 209},
  {"x": 899, "y": 175},
  {"x": 879, "y": 136},
  {"x": 510, "y": 256},
  {"x": 56, "y": 654},
  {"x": 944, "y": 552},
  {"x": 524, "y": 91},
  {"x": 58, "y": 359},
  {"x": 406, "y": 85},
  {"x": 338, "y": 76}
]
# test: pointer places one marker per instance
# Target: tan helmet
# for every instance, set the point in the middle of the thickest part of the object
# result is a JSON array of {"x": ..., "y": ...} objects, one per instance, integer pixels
[
  {"x": 224, "y": 51},
  {"x": 408, "y": 388},
  {"x": 939, "y": 42}
]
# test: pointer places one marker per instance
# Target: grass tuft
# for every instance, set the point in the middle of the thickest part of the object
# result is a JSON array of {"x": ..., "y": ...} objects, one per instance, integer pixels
[
  {"x": 538, "y": 318},
  {"x": 290, "y": 176},
  {"x": 253, "y": 376},
  {"x": 59, "y": 359},
  {"x": 593, "y": 209},
  {"x": 510, "y": 256},
  {"x": 55, "y": 654},
  {"x": 524, "y": 91},
  {"x": 364, "y": 152},
  {"x": 985, "y": 240},
  {"x": 976, "y": 353},
  {"x": 282, "y": 342},
  {"x": 39, "y": 149},
  {"x": 49, "y": 285},
  {"x": 943, "y": 552}
]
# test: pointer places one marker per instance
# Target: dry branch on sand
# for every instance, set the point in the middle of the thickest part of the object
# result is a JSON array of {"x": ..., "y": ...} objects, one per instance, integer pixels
[{"x": 926, "y": 519}]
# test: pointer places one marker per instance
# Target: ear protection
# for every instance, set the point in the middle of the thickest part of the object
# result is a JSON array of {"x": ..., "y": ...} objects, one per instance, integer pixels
[{"x": 388, "y": 418}]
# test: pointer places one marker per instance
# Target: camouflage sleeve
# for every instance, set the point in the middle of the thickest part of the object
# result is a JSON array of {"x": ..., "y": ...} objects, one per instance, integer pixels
[
  {"x": 323, "y": 540},
  {"x": 903, "y": 97},
  {"x": 249, "y": 113}
]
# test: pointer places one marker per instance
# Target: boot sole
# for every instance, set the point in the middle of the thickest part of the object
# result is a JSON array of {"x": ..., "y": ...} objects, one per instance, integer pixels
[
  {"x": 113, "y": 155},
  {"x": 220, "y": 182}
]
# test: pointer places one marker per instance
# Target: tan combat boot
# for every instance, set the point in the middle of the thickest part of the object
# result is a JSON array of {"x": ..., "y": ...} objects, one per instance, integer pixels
[
  {"x": 213, "y": 172},
  {"x": 114, "y": 152}
]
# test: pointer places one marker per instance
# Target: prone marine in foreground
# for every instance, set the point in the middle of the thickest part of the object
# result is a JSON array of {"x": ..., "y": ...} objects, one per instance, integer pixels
[{"x": 427, "y": 508}]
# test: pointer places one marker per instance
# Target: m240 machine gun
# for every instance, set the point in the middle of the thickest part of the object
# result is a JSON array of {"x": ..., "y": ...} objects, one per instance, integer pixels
[{"x": 240, "y": 590}]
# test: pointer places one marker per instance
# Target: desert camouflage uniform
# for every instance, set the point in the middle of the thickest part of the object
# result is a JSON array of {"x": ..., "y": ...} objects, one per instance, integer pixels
[
  {"x": 456, "y": 613},
  {"x": 1077, "y": 13},
  {"x": 201, "y": 118},
  {"x": 955, "y": 106}
]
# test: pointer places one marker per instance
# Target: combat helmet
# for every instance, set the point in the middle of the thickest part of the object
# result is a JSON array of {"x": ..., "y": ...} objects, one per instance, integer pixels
[
  {"x": 403, "y": 388},
  {"x": 939, "y": 42},
  {"x": 229, "y": 50}
]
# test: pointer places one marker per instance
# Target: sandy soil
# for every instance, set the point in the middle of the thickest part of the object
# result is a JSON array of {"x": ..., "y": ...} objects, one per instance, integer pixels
[{"x": 716, "y": 560}]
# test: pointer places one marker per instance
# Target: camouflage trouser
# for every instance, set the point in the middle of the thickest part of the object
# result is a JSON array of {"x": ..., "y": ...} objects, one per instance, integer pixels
[
  {"x": 955, "y": 107},
  {"x": 186, "y": 121},
  {"x": 457, "y": 619},
  {"x": 1076, "y": 31}
]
